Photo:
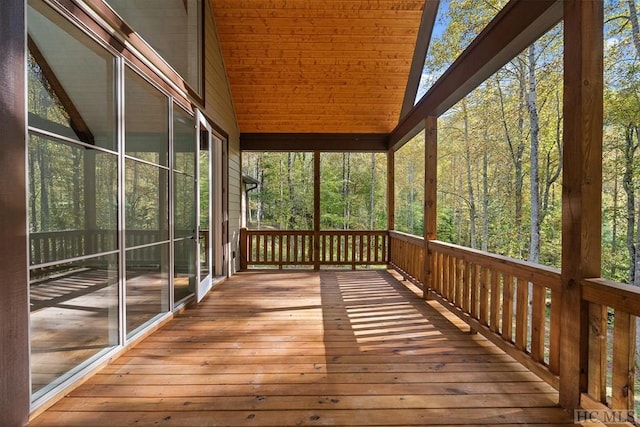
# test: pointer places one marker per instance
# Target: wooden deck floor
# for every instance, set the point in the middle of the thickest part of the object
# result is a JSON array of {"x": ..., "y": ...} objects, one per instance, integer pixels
[{"x": 305, "y": 348}]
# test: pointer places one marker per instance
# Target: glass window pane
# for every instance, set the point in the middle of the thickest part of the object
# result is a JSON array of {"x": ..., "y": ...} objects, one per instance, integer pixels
[
  {"x": 70, "y": 79},
  {"x": 147, "y": 284},
  {"x": 72, "y": 200},
  {"x": 184, "y": 282},
  {"x": 184, "y": 142},
  {"x": 146, "y": 120},
  {"x": 146, "y": 203},
  {"x": 184, "y": 205},
  {"x": 172, "y": 28},
  {"x": 74, "y": 315}
]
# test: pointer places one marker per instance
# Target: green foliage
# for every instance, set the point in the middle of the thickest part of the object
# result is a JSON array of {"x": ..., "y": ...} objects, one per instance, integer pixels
[{"x": 352, "y": 190}]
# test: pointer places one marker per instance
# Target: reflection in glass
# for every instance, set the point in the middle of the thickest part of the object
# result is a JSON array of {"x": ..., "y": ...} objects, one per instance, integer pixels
[
  {"x": 184, "y": 142},
  {"x": 172, "y": 28},
  {"x": 184, "y": 205},
  {"x": 147, "y": 284},
  {"x": 205, "y": 207},
  {"x": 74, "y": 315},
  {"x": 184, "y": 281},
  {"x": 146, "y": 203},
  {"x": 146, "y": 120},
  {"x": 70, "y": 79},
  {"x": 72, "y": 200}
]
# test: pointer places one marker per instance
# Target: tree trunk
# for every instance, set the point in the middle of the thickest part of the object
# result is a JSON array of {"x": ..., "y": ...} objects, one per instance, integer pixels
[
  {"x": 372, "y": 192},
  {"x": 629, "y": 188},
  {"x": 516, "y": 150},
  {"x": 614, "y": 220},
  {"x": 485, "y": 200},
  {"x": 412, "y": 193},
  {"x": 534, "y": 171},
  {"x": 260, "y": 175},
  {"x": 472, "y": 203},
  {"x": 292, "y": 197},
  {"x": 346, "y": 178}
]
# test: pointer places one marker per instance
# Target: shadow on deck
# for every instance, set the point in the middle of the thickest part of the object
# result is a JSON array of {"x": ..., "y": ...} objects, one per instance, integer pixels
[{"x": 312, "y": 348}]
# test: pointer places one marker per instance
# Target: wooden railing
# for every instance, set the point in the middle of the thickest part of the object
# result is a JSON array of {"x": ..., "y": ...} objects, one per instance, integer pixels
[
  {"x": 407, "y": 256},
  {"x": 516, "y": 305},
  {"x": 280, "y": 248},
  {"x": 613, "y": 310}
]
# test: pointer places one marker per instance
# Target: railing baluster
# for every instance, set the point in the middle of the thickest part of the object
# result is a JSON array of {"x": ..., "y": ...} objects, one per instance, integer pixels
[
  {"x": 466, "y": 286},
  {"x": 554, "y": 333},
  {"x": 538, "y": 321},
  {"x": 507, "y": 307},
  {"x": 522, "y": 314},
  {"x": 452, "y": 278},
  {"x": 474, "y": 272},
  {"x": 484, "y": 296},
  {"x": 597, "y": 384},
  {"x": 495, "y": 301},
  {"x": 624, "y": 334}
]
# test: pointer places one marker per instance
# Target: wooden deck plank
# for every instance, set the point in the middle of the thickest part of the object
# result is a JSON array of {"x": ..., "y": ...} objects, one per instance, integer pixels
[{"x": 328, "y": 348}]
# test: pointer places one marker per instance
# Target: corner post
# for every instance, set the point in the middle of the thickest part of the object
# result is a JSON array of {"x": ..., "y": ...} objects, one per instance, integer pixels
[
  {"x": 430, "y": 197},
  {"x": 14, "y": 285},
  {"x": 391, "y": 200},
  {"x": 582, "y": 185}
]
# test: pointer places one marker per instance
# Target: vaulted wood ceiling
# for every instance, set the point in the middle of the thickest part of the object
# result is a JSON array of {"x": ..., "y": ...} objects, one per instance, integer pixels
[{"x": 318, "y": 66}]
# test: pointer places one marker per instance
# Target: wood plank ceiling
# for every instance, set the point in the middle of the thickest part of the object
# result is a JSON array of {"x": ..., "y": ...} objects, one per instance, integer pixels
[{"x": 318, "y": 66}]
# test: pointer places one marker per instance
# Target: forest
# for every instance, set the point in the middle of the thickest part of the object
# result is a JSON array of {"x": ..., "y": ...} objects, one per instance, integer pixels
[{"x": 499, "y": 155}]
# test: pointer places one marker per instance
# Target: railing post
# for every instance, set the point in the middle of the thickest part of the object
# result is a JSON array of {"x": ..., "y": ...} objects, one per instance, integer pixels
[
  {"x": 430, "y": 198},
  {"x": 582, "y": 186},
  {"x": 243, "y": 248}
]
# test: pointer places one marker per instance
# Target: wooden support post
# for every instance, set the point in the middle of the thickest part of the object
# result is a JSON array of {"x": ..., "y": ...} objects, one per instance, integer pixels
[
  {"x": 316, "y": 210},
  {"x": 14, "y": 285},
  {"x": 430, "y": 197},
  {"x": 582, "y": 186},
  {"x": 391, "y": 199}
]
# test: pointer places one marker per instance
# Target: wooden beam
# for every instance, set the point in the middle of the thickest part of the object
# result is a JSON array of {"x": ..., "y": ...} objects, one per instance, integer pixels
[
  {"x": 516, "y": 26},
  {"x": 313, "y": 141},
  {"x": 427, "y": 23},
  {"x": 76, "y": 121},
  {"x": 581, "y": 186},
  {"x": 430, "y": 196},
  {"x": 14, "y": 284}
]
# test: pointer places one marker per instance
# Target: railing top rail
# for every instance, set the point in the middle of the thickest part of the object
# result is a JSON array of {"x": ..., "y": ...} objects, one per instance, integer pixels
[
  {"x": 618, "y": 296},
  {"x": 406, "y": 237},
  {"x": 334, "y": 232},
  {"x": 535, "y": 273}
]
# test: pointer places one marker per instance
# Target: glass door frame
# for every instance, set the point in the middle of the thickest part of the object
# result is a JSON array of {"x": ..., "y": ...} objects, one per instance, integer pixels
[{"x": 215, "y": 239}]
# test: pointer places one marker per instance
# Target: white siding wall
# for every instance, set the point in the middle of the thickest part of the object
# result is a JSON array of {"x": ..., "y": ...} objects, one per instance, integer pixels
[{"x": 219, "y": 108}]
